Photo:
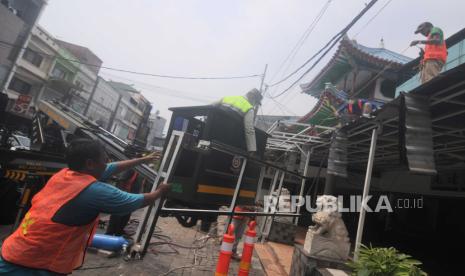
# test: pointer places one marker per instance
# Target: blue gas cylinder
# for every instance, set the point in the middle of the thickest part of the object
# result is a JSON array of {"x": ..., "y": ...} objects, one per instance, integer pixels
[{"x": 107, "y": 242}]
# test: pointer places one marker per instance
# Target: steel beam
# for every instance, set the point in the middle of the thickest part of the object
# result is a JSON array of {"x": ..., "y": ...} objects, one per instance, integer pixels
[
  {"x": 452, "y": 114},
  {"x": 366, "y": 190}
]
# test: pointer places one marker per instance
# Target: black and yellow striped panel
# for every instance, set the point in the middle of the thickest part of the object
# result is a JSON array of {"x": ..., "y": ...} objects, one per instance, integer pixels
[
  {"x": 217, "y": 190},
  {"x": 20, "y": 175}
]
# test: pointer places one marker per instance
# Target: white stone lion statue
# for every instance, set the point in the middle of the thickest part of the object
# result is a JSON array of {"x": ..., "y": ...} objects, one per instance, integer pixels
[{"x": 328, "y": 237}]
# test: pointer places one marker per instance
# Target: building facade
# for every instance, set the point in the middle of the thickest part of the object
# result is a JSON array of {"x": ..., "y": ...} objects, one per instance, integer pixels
[
  {"x": 85, "y": 78},
  {"x": 103, "y": 104},
  {"x": 17, "y": 20},
  {"x": 49, "y": 71},
  {"x": 36, "y": 66},
  {"x": 131, "y": 109},
  {"x": 357, "y": 80},
  {"x": 155, "y": 137}
]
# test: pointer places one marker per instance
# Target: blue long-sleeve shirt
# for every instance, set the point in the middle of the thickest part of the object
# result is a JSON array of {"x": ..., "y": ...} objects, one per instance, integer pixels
[{"x": 99, "y": 197}]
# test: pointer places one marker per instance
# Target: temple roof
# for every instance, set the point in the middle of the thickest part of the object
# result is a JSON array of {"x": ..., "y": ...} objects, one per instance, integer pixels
[
  {"x": 340, "y": 63},
  {"x": 382, "y": 53}
]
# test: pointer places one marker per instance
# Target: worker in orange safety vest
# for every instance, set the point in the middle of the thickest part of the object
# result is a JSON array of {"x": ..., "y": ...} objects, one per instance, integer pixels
[
  {"x": 435, "y": 53},
  {"x": 54, "y": 234},
  {"x": 240, "y": 222}
]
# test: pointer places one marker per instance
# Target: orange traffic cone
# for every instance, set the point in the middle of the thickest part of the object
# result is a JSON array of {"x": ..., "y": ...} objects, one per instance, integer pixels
[
  {"x": 225, "y": 252},
  {"x": 247, "y": 252}
]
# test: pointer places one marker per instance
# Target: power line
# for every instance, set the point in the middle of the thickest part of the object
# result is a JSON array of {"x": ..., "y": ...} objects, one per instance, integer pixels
[
  {"x": 334, "y": 40},
  {"x": 302, "y": 39},
  {"x": 130, "y": 71},
  {"x": 306, "y": 62},
  {"x": 298, "y": 46},
  {"x": 164, "y": 90},
  {"x": 371, "y": 19},
  {"x": 284, "y": 107},
  {"x": 309, "y": 69}
]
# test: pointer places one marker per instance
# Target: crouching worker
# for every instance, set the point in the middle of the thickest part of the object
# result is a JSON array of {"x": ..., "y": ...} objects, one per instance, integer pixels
[{"x": 54, "y": 234}]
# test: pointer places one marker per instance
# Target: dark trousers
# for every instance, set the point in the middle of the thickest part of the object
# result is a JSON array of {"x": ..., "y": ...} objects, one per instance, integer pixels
[{"x": 116, "y": 224}]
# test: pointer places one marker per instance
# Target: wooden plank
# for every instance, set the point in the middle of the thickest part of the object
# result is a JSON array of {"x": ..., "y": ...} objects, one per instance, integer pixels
[
  {"x": 283, "y": 253},
  {"x": 269, "y": 260}
]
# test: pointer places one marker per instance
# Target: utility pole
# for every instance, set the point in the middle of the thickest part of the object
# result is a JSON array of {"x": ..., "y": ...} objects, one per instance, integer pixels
[
  {"x": 263, "y": 79},
  {"x": 261, "y": 92},
  {"x": 91, "y": 97}
]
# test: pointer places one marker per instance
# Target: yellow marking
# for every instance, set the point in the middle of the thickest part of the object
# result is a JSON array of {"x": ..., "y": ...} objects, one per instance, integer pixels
[
  {"x": 208, "y": 189},
  {"x": 54, "y": 116},
  {"x": 244, "y": 265},
  {"x": 26, "y": 195},
  {"x": 27, "y": 222},
  {"x": 23, "y": 176},
  {"x": 220, "y": 274},
  {"x": 33, "y": 172}
]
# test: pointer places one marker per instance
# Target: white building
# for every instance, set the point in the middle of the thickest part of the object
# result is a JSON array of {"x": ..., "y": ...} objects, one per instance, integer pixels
[
  {"x": 32, "y": 70},
  {"x": 155, "y": 138},
  {"x": 17, "y": 19},
  {"x": 102, "y": 107},
  {"x": 130, "y": 111}
]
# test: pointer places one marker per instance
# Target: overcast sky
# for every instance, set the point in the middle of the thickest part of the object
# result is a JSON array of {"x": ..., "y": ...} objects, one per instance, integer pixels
[{"x": 230, "y": 38}]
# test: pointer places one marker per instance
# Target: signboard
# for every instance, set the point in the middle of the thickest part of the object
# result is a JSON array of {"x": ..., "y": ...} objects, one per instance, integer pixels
[{"x": 21, "y": 105}]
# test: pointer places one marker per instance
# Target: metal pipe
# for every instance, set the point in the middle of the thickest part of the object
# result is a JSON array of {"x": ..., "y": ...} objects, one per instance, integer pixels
[
  {"x": 448, "y": 89},
  {"x": 370, "y": 125},
  {"x": 260, "y": 183},
  {"x": 299, "y": 138},
  {"x": 448, "y": 115},
  {"x": 148, "y": 209},
  {"x": 299, "y": 133},
  {"x": 285, "y": 134},
  {"x": 302, "y": 185},
  {"x": 272, "y": 127},
  {"x": 273, "y": 185},
  {"x": 281, "y": 149},
  {"x": 366, "y": 190},
  {"x": 236, "y": 193},
  {"x": 206, "y": 211},
  {"x": 280, "y": 187},
  {"x": 303, "y": 124}
]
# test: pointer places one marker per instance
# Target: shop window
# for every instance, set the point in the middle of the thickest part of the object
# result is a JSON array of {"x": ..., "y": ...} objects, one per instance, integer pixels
[
  {"x": 20, "y": 86},
  {"x": 59, "y": 72},
  {"x": 33, "y": 57}
]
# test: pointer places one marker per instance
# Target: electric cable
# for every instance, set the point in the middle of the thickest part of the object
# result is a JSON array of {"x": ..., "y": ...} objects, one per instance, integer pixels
[
  {"x": 371, "y": 19},
  {"x": 331, "y": 43},
  {"x": 163, "y": 90},
  {"x": 130, "y": 71},
  {"x": 303, "y": 38}
]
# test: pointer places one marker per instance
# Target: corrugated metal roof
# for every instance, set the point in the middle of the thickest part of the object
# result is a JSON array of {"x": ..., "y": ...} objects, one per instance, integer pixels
[{"x": 123, "y": 86}]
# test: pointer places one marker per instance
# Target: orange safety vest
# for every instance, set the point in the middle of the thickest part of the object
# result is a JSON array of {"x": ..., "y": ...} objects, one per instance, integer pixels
[
  {"x": 41, "y": 243},
  {"x": 436, "y": 52}
]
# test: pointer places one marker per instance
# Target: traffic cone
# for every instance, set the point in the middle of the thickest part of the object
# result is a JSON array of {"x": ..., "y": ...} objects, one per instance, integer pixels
[
  {"x": 247, "y": 252},
  {"x": 225, "y": 252}
]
